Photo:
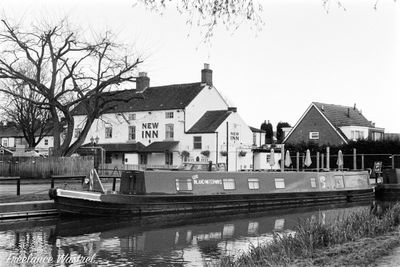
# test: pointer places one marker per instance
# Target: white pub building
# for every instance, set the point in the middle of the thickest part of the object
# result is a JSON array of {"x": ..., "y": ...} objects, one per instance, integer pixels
[{"x": 173, "y": 124}]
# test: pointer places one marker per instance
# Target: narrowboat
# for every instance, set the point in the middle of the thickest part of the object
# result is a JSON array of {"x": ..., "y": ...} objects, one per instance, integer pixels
[{"x": 156, "y": 192}]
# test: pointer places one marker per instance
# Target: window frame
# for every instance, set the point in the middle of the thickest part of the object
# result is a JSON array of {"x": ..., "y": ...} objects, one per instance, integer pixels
[
  {"x": 313, "y": 135},
  {"x": 171, "y": 137},
  {"x": 228, "y": 181},
  {"x": 189, "y": 183},
  {"x": 169, "y": 114},
  {"x": 132, "y": 116},
  {"x": 253, "y": 182},
  {"x": 280, "y": 183},
  {"x": 197, "y": 142},
  {"x": 108, "y": 132},
  {"x": 130, "y": 132}
]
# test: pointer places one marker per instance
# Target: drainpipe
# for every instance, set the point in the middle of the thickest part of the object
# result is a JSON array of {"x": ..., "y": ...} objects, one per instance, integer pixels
[
  {"x": 216, "y": 149},
  {"x": 227, "y": 146}
]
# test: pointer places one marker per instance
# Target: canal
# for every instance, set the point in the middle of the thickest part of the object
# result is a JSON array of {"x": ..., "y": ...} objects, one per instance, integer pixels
[{"x": 184, "y": 240}]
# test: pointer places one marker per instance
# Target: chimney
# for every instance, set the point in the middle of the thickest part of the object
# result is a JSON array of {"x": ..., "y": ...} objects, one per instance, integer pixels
[
  {"x": 142, "y": 82},
  {"x": 348, "y": 112},
  {"x": 206, "y": 75},
  {"x": 354, "y": 106},
  {"x": 233, "y": 109}
]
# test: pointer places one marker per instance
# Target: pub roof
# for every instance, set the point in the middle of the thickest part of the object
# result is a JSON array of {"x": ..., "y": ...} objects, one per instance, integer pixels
[{"x": 176, "y": 96}]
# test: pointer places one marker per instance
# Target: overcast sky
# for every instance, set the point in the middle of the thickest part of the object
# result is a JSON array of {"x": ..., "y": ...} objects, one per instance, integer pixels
[{"x": 302, "y": 54}]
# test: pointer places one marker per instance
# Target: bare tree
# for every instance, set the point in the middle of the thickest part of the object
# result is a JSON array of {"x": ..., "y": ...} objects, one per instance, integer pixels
[
  {"x": 79, "y": 72},
  {"x": 209, "y": 13},
  {"x": 30, "y": 119}
]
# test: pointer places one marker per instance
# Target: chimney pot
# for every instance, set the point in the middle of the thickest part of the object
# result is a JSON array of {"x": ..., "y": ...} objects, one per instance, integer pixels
[
  {"x": 354, "y": 106},
  {"x": 206, "y": 75},
  {"x": 348, "y": 112}
]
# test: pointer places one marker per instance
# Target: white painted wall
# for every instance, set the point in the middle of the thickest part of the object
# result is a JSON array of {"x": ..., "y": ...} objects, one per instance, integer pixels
[
  {"x": 208, "y": 99},
  {"x": 245, "y": 142},
  {"x": 131, "y": 158},
  {"x": 347, "y": 131}
]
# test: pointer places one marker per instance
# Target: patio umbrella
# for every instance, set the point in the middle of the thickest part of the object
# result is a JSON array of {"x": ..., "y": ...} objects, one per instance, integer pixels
[
  {"x": 272, "y": 158},
  {"x": 339, "y": 161},
  {"x": 308, "y": 161},
  {"x": 288, "y": 160}
]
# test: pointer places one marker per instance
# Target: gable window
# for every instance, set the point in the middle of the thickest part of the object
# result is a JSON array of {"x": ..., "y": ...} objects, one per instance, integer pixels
[
  {"x": 108, "y": 132},
  {"x": 169, "y": 131},
  {"x": 183, "y": 184},
  {"x": 229, "y": 183},
  {"x": 132, "y": 116},
  {"x": 169, "y": 115},
  {"x": 254, "y": 183},
  {"x": 132, "y": 133},
  {"x": 46, "y": 142},
  {"x": 197, "y": 142},
  {"x": 314, "y": 135},
  {"x": 77, "y": 132}
]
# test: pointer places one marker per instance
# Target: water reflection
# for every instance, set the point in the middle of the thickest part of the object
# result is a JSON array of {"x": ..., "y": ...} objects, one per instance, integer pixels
[{"x": 190, "y": 239}]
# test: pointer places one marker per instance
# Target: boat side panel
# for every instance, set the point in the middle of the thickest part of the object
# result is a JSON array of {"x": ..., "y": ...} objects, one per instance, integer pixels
[{"x": 269, "y": 182}]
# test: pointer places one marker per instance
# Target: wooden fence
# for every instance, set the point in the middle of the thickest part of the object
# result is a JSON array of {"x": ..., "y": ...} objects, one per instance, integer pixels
[{"x": 37, "y": 167}]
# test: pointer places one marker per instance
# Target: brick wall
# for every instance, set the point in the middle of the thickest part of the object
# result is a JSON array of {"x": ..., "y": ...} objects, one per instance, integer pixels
[{"x": 314, "y": 122}]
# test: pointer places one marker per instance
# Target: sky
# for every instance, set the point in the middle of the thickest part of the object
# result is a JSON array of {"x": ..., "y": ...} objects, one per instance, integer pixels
[{"x": 303, "y": 53}]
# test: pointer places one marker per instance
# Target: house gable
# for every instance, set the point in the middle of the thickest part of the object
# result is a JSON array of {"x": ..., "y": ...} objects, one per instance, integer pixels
[{"x": 314, "y": 121}]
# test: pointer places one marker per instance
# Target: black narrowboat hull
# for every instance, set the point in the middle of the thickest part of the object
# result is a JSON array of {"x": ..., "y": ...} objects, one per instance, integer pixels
[{"x": 138, "y": 205}]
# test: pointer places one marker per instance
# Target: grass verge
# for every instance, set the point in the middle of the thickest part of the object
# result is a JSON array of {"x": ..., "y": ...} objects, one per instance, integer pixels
[{"x": 357, "y": 239}]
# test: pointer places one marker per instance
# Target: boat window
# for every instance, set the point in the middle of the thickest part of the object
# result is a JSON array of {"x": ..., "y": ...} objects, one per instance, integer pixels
[
  {"x": 313, "y": 182},
  {"x": 183, "y": 184},
  {"x": 279, "y": 183},
  {"x": 229, "y": 184},
  {"x": 254, "y": 183}
]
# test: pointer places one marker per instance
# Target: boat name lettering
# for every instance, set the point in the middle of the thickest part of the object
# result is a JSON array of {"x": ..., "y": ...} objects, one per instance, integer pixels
[{"x": 207, "y": 181}]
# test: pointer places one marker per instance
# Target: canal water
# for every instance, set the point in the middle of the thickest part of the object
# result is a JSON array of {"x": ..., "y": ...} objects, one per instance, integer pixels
[{"x": 184, "y": 240}]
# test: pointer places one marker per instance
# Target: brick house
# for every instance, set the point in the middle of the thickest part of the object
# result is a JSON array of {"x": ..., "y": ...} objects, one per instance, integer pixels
[{"x": 328, "y": 124}]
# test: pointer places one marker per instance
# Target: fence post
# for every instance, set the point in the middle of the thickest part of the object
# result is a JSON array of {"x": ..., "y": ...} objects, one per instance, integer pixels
[
  {"x": 354, "y": 159},
  {"x": 52, "y": 179},
  {"x": 317, "y": 161},
  {"x": 297, "y": 161},
  {"x": 362, "y": 161},
  {"x": 19, "y": 186}
]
